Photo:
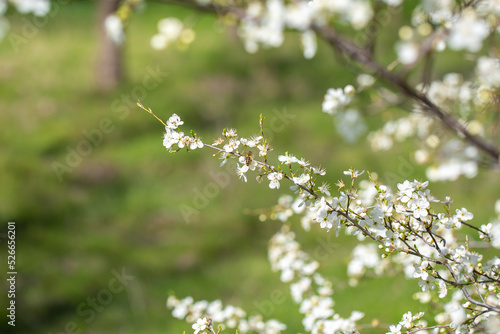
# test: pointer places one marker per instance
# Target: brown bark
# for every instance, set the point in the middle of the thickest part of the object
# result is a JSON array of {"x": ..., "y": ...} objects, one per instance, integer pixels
[{"x": 109, "y": 57}]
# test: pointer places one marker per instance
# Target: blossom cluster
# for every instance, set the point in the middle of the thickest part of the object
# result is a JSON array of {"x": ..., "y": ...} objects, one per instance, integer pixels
[
  {"x": 414, "y": 231},
  {"x": 264, "y": 23},
  {"x": 172, "y": 137},
  {"x": 435, "y": 26},
  {"x": 337, "y": 99},
  {"x": 364, "y": 257},
  {"x": 444, "y": 23},
  {"x": 349, "y": 121},
  {"x": 308, "y": 288},
  {"x": 423, "y": 242},
  {"x": 234, "y": 146},
  {"x": 203, "y": 314},
  {"x": 491, "y": 231},
  {"x": 404, "y": 223},
  {"x": 459, "y": 97},
  {"x": 407, "y": 322}
]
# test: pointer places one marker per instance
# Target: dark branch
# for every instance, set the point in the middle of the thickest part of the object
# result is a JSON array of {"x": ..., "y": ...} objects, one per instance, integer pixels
[{"x": 365, "y": 59}]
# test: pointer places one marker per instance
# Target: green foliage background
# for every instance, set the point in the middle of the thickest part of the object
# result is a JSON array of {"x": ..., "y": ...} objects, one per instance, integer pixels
[{"x": 120, "y": 207}]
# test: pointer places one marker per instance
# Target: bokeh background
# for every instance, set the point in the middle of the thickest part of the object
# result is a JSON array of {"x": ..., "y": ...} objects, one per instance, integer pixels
[{"x": 120, "y": 207}]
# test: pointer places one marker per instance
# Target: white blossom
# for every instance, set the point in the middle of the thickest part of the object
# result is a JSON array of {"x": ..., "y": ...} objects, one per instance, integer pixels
[
  {"x": 468, "y": 32},
  {"x": 275, "y": 178},
  {"x": 114, "y": 28},
  {"x": 309, "y": 44}
]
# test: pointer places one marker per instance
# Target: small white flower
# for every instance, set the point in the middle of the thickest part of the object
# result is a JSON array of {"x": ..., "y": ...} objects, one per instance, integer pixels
[
  {"x": 392, "y": 238},
  {"x": 406, "y": 187},
  {"x": 200, "y": 325},
  {"x": 252, "y": 164},
  {"x": 114, "y": 28},
  {"x": 241, "y": 172},
  {"x": 184, "y": 141},
  {"x": 468, "y": 32},
  {"x": 349, "y": 90},
  {"x": 302, "y": 162},
  {"x": 495, "y": 235},
  {"x": 196, "y": 143},
  {"x": 275, "y": 178},
  {"x": 462, "y": 329},
  {"x": 287, "y": 159},
  {"x": 406, "y": 322},
  {"x": 174, "y": 121},
  {"x": 421, "y": 270},
  {"x": 335, "y": 100},
  {"x": 231, "y": 133},
  {"x": 181, "y": 308},
  {"x": 263, "y": 149},
  {"x": 310, "y": 269},
  {"x": 427, "y": 285},
  {"x": 321, "y": 207},
  {"x": 309, "y": 44},
  {"x": 318, "y": 170},
  {"x": 464, "y": 215},
  {"x": 486, "y": 229},
  {"x": 274, "y": 326},
  {"x": 419, "y": 207},
  {"x": 223, "y": 158},
  {"x": 443, "y": 291},
  {"x": 353, "y": 173},
  {"x": 302, "y": 179},
  {"x": 394, "y": 329},
  {"x": 252, "y": 142},
  {"x": 232, "y": 146},
  {"x": 325, "y": 189}
]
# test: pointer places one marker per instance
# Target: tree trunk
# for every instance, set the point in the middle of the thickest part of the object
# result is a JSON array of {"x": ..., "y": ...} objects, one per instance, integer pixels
[{"x": 109, "y": 58}]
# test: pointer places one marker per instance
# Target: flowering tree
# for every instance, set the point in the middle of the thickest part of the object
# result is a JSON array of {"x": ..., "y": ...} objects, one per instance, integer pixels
[
  {"x": 452, "y": 117},
  {"x": 414, "y": 230}
]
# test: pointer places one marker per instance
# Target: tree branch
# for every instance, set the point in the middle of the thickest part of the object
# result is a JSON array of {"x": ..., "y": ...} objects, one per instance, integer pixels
[{"x": 365, "y": 59}]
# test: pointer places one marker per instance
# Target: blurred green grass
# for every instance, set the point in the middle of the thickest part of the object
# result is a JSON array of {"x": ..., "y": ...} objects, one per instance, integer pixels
[{"x": 119, "y": 208}]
